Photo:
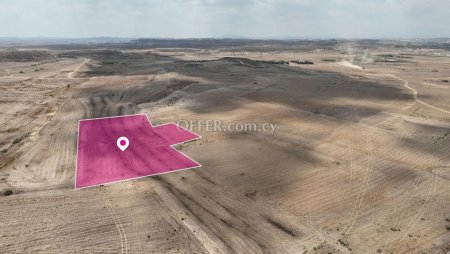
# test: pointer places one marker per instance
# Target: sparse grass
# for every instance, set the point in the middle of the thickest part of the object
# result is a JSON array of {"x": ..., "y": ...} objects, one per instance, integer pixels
[{"x": 4, "y": 150}]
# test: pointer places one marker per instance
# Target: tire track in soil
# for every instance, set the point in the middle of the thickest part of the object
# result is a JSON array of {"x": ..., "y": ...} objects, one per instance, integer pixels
[
  {"x": 360, "y": 197},
  {"x": 419, "y": 214},
  {"x": 122, "y": 234}
]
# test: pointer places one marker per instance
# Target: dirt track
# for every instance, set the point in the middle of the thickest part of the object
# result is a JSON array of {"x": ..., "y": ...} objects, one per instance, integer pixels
[{"x": 359, "y": 162}]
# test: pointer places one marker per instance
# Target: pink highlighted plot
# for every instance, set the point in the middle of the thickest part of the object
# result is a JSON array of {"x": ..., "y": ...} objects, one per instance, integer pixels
[{"x": 120, "y": 148}]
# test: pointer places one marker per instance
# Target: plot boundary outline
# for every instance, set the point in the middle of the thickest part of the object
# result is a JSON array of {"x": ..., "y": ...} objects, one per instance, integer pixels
[{"x": 134, "y": 178}]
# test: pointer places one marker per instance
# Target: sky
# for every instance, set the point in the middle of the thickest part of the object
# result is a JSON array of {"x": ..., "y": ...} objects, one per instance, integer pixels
[{"x": 266, "y": 19}]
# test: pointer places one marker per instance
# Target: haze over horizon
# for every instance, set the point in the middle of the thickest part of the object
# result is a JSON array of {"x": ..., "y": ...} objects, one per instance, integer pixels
[{"x": 269, "y": 19}]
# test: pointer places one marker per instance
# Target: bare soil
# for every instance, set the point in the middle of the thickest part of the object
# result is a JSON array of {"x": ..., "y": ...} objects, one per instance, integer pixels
[{"x": 359, "y": 163}]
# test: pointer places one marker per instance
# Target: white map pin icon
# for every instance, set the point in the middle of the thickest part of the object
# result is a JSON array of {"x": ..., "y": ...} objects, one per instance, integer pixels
[{"x": 123, "y": 143}]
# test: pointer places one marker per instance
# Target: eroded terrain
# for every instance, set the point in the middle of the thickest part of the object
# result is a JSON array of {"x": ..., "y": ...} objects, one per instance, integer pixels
[{"x": 359, "y": 163}]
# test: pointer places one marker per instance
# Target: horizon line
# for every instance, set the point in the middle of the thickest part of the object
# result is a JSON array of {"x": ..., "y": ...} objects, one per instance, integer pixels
[{"x": 220, "y": 38}]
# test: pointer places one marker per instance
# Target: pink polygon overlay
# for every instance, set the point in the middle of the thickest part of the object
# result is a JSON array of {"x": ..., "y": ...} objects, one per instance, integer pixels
[{"x": 150, "y": 150}]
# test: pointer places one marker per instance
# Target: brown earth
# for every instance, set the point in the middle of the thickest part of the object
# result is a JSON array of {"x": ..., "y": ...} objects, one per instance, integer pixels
[{"x": 359, "y": 163}]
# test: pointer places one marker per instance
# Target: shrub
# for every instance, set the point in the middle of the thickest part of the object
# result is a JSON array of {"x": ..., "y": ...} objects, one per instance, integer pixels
[{"x": 8, "y": 193}]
